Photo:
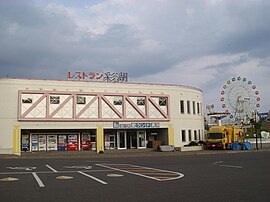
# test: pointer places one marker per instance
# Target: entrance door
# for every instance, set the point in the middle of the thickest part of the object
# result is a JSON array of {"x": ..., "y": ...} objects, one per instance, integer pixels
[
  {"x": 141, "y": 139},
  {"x": 121, "y": 140}
]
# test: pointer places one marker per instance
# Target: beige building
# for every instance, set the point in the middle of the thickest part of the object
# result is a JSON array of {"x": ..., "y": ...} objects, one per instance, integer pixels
[{"x": 45, "y": 115}]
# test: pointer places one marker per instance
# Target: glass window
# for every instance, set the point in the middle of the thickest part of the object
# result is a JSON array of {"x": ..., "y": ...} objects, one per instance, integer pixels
[
  {"x": 81, "y": 100},
  {"x": 162, "y": 101},
  {"x": 189, "y": 135},
  {"x": 54, "y": 99},
  {"x": 141, "y": 101},
  {"x": 27, "y": 100},
  {"x": 198, "y": 108},
  {"x": 194, "y": 107},
  {"x": 117, "y": 100},
  {"x": 182, "y": 109},
  {"x": 195, "y": 134},
  {"x": 183, "y": 133},
  {"x": 188, "y": 107}
]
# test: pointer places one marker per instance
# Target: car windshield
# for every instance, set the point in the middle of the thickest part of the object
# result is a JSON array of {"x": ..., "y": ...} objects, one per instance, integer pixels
[{"x": 215, "y": 136}]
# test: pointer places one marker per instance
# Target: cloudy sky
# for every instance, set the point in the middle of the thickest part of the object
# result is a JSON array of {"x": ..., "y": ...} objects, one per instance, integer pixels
[{"x": 199, "y": 43}]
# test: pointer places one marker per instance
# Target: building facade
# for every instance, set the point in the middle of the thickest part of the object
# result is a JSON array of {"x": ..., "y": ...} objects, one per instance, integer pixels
[{"x": 64, "y": 115}]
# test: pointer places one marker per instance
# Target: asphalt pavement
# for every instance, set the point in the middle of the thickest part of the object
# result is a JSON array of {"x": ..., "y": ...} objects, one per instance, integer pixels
[
  {"x": 116, "y": 153},
  {"x": 214, "y": 175}
]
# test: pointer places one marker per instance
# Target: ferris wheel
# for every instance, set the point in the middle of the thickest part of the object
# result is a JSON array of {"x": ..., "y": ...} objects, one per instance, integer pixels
[{"x": 240, "y": 98}]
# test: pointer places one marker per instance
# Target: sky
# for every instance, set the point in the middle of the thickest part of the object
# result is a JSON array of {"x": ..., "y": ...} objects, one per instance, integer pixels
[{"x": 198, "y": 43}]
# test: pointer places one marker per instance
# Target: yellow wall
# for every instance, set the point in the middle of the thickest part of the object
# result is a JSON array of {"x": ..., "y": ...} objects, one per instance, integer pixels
[
  {"x": 171, "y": 134},
  {"x": 17, "y": 140},
  {"x": 100, "y": 139}
]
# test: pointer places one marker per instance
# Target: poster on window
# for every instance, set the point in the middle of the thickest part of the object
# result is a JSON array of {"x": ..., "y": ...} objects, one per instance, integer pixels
[
  {"x": 52, "y": 142},
  {"x": 73, "y": 142},
  {"x": 85, "y": 141},
  {"x": 34, "y": 146},
  {"x": 42, "y": 142},
  {"x": 62, "y": 142},
  {"x": 25, "y": 143}
]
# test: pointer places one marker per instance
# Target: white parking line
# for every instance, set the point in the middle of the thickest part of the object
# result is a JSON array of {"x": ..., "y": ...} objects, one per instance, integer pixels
[
  {"x": 50, "y": 172},
  {"x": 231, "y": 166},
  {"x": 51, "y": 168},
  {"x": 92, "y": 177},
  {"x": 40, "y": 183},
  {"x": 223, "y": 165}
]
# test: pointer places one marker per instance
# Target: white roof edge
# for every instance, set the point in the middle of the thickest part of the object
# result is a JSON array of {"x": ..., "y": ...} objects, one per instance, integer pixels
[{"x": 125, "y": 83}]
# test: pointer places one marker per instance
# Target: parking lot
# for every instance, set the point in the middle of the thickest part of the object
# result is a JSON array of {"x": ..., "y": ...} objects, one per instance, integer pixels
[
  {"x": 169, "y": 178},
  {"x": 96, "y": 171}
]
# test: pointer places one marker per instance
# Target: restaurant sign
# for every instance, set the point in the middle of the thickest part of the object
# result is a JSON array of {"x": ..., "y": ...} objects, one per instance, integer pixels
[
  {"x": 96, "y": 76},
  {"x": 136, "y": 125}
]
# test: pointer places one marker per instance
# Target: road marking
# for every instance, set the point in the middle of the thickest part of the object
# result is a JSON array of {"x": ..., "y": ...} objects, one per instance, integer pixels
[
  {"x": 114, "y": 175},
  {"x": 50, "y": 172},
  {"x": 218, "y": 162},
  {"x": 97, "y": 161},
  {"x": 51, "y": 168},
  {"x": 40, "y": 183},
  {"x": 79, "y": 167},
  {"x": 92, "y": 177},
  {"x": 22, "y": 168},
  {"x": 151, "y": 173},
  {"x": 224, "y": 165},
  {"x": 231, "y": 166}
]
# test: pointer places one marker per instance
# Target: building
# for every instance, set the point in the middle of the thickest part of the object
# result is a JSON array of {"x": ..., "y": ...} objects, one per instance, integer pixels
[{"x": 44, "y": 115}]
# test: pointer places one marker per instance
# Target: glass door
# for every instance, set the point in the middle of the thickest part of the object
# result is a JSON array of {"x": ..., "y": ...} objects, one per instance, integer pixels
[
  {"x": 141, "y": 139},
  {"x": 133, "y": 139},
  {"x": 121, "y": 140},
  {"x": 112, "y": 141}
]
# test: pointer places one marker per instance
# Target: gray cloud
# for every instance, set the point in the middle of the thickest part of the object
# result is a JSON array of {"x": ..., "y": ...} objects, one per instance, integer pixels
[{"x": 46, "y": 39}]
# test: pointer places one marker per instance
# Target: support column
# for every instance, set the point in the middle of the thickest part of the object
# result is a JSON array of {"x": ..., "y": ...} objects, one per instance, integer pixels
[
  {"x": 171, "y": 134},
  {"x": 100, "y": 139},
  {"x": 16, "y": 140}
]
